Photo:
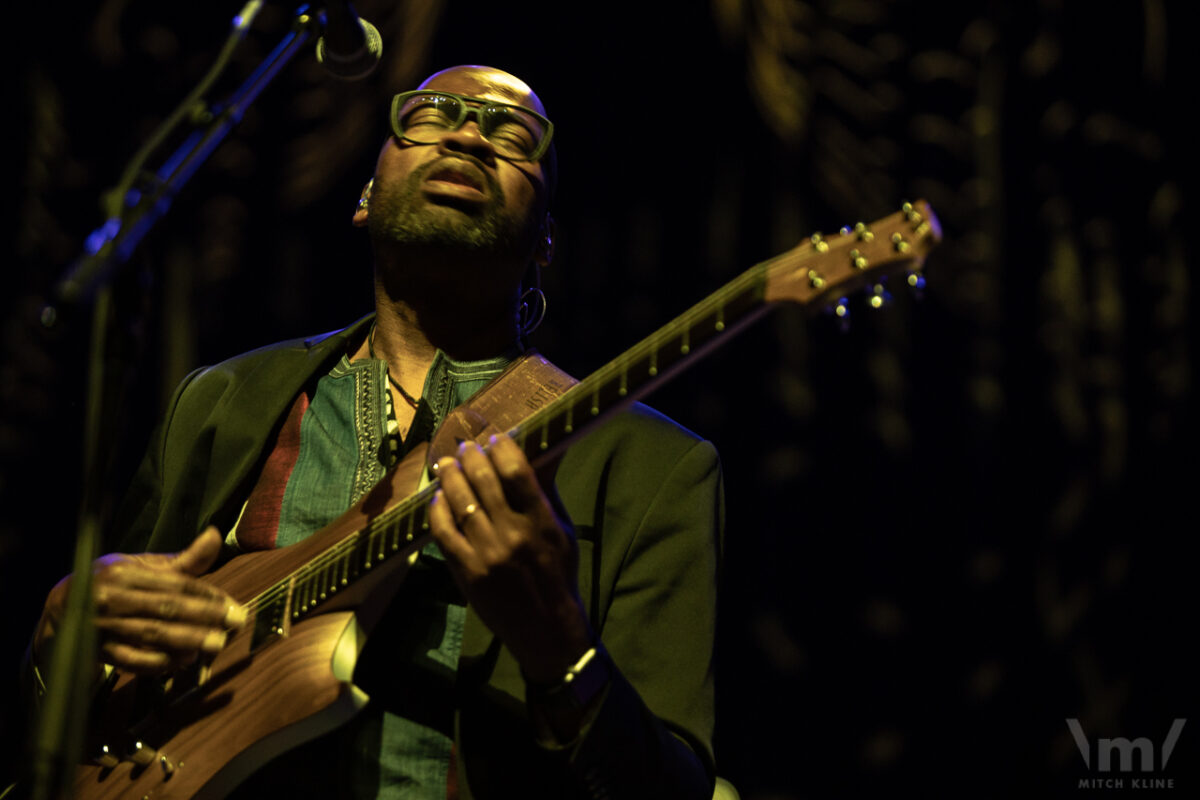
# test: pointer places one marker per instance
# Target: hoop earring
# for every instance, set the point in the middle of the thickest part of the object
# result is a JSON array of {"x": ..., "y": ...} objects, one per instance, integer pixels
[
  {"x": 527, "y": 317},
  {"x": 531, "y": 309}
]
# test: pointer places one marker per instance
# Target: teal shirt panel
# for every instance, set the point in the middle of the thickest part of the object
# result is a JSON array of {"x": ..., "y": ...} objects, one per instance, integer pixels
[{"x": 399, "y": 747}]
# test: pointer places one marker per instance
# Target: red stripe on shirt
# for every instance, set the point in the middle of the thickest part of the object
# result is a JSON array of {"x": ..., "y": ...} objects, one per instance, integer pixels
[{"x": 260, "y": 520}]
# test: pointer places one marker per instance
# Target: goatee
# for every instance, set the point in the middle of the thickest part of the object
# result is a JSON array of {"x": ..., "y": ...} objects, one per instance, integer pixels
[{"x": 401, "y": 215}]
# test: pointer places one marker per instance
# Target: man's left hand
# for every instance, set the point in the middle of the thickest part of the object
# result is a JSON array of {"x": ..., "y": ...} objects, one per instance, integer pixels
[{"x": 513, "y": 557}]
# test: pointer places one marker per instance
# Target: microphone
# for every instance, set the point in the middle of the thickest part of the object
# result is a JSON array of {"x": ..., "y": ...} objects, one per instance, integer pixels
[{"x": 351, "y": 47}]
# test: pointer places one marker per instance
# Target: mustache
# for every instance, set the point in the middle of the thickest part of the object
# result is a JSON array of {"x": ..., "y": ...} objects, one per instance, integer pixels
[{"x": 476, "y": 168}]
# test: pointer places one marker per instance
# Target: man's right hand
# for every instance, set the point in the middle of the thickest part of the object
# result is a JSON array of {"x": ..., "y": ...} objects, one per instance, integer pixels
[{"x": 153, "y": 613}]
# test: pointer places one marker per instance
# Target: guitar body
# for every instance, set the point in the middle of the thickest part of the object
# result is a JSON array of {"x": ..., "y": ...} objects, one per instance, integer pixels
[
  {"x": 279, "y": 682},
  {"x": 285, "y": 679},
  {"x": 251, "y": 709}
]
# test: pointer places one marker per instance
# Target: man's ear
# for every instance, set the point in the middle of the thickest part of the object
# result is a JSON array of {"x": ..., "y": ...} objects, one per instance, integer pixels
[
  {"x": 543, "y": 252},
  {"x": 359, "y": 220}
]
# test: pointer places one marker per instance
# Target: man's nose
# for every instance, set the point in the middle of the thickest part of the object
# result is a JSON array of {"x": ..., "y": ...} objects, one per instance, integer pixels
[{"x": 470, "y": 140}]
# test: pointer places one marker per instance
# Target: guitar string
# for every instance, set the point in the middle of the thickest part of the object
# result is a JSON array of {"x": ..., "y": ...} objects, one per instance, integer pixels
[{"x": 345, "y": 547}]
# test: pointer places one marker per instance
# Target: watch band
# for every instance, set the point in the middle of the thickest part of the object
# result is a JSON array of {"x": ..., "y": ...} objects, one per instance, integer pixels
[{"x": 583, "y": 681}]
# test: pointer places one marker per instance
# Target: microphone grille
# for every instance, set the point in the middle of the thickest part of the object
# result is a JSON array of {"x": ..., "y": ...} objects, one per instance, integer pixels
[{"x": 358, "y": 64}]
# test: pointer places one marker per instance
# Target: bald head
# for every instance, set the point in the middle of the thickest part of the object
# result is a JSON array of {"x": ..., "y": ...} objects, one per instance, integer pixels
[{"x": 499, "y": 85}]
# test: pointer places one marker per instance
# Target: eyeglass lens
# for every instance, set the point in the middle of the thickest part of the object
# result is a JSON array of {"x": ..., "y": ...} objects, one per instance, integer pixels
[{"x": 425, "y": 118}]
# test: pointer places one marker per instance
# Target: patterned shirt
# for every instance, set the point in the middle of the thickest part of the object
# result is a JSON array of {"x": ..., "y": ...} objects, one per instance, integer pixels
[{"x": 337, "y": 441}]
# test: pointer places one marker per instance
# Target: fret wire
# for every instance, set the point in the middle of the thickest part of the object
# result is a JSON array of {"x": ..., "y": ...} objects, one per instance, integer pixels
[{"x": 302, "y": 580}]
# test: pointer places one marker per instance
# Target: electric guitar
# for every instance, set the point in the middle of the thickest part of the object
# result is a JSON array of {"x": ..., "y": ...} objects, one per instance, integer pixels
[{"x": 285, "y": 677}]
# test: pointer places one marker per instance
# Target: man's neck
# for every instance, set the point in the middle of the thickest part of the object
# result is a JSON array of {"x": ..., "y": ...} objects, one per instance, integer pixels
[{"x": 468, "y": 320}]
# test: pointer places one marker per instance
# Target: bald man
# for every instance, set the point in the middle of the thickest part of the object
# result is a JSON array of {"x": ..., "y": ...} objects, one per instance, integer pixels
[{"x": 553, "y": 641}]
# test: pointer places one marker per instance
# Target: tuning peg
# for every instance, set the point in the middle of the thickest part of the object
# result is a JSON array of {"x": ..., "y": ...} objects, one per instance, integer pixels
[
  {"x": 911, "y": 213},
  {"x": 878, "y": 295},
  {"x": 916, "y": 283},
  {"x": 841, "y": 310}
]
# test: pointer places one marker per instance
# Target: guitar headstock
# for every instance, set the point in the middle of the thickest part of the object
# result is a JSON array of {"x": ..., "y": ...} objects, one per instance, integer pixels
[{"x": 822, "y": 269}]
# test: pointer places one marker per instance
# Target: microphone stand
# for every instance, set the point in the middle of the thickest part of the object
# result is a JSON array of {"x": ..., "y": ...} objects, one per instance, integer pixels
[{"x": 132, "y": 213}]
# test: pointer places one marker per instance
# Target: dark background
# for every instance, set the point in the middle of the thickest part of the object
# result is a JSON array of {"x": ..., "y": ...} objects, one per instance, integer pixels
[{"x": 950, "y": 528}]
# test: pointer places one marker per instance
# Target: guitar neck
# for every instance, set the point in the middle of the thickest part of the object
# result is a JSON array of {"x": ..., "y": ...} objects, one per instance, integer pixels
[
  {"x": 404, "y": 528},
  {"x": 817, "y": 269},
  {"x": 814, "y": 272},
  {"x": 401, "y": 530}
]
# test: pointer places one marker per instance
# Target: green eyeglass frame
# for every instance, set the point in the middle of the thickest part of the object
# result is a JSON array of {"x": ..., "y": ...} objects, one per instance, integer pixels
[{"x": 483, "y": 111}]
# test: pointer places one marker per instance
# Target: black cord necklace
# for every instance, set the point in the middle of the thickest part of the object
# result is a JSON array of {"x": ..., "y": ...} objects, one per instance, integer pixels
[{"x": 408, "y": 398}]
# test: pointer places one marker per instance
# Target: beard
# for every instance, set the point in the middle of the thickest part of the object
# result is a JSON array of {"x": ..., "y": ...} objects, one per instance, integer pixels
[{"x": 401, "y": 215}]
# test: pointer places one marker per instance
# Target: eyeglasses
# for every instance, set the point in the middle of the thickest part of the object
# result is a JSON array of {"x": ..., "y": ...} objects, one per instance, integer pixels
[{"x": 424, "y": 117}]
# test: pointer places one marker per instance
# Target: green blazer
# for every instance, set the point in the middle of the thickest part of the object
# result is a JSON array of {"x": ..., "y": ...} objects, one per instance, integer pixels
[{"x": 644, "y": 497}]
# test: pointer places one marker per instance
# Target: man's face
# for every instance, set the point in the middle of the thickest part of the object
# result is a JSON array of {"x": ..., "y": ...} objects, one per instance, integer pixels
[{"x": 458, "y": 193}]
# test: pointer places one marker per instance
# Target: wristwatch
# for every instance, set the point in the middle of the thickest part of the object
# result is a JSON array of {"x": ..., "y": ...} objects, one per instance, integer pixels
[{"x": 582, "y": 683}]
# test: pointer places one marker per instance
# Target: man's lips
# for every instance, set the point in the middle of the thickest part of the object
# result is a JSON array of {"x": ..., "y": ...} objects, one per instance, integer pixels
[
  {"x": 456, "y": 180},
  {"x": 452, "y": 175}
]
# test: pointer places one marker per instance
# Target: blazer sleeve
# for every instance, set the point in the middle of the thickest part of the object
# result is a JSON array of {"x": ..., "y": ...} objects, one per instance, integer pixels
[{"x": 652, "y": 736}]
